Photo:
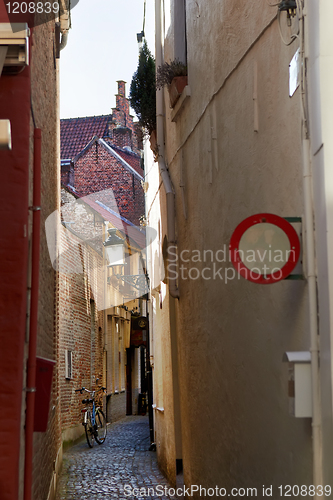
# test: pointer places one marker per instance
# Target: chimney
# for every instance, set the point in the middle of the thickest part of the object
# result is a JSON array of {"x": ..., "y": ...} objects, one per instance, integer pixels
[
  {"x": 122, "y": 103},
  {"x": 121, "y": 88},
  {"x": 121, "y": 126}
]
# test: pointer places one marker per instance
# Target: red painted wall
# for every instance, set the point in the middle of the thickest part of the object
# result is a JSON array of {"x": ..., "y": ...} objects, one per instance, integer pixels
[{"x": 14, "y": 105}]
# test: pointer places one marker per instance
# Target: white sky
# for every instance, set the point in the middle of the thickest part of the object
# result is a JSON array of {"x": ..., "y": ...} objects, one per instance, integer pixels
[{"x": 102, "y": 48}]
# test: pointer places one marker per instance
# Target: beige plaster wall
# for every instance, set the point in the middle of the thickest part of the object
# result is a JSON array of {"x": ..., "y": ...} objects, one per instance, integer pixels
[
  {"x": 236, "y": 430},
  {"x": 160, "y": 325},
  {"x": 320, "y": 76}
]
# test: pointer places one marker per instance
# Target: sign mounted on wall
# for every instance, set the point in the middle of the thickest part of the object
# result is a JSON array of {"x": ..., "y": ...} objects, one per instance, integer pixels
[{"x": 264, "y": 248}]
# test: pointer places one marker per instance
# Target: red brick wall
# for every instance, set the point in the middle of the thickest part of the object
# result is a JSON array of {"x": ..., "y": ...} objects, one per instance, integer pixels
[
  {"x": 44, "y": 105},
  {"x": 80, "y": 325},
  {"x": 98, "y": 170}
]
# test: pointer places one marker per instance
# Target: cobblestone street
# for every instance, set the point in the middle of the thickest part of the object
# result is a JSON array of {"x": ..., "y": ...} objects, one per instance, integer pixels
[{"x": 103, "y": 471}]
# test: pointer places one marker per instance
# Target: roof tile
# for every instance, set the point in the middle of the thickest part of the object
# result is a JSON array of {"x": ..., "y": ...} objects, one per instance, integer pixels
[{"x": 75, "y": 133}]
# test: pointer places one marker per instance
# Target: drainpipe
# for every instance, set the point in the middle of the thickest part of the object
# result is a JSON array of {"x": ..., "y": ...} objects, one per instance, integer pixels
[
  {"x": 64, "y": 28},
  {"x": 170, "y": 196},
  {"x": 31, "y": 368},
  {"x": 311, "y": 274},
  {"x": 313, "y": 316}
]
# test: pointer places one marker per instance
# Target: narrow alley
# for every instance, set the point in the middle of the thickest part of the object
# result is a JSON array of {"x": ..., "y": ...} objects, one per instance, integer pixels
[
  {"x": 124, "y": 460},
  {"x": 166, "y": 249}
]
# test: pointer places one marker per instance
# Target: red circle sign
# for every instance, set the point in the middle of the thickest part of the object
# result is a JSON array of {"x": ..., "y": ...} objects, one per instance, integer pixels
[{"x": 264, "y": 248}]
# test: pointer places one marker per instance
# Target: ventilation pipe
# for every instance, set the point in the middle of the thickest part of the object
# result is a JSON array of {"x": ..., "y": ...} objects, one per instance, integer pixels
[{"x": 170, "y": 196}]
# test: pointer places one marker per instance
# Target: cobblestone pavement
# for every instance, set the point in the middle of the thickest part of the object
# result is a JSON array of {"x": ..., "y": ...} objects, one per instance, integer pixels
[{"x": 103, "y": 471}]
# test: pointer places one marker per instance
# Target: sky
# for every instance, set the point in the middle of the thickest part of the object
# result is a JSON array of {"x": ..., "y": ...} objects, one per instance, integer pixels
[{"x": 102, "y": 48}]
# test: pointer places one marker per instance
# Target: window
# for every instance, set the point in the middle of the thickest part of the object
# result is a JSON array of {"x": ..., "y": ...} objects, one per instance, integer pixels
[
  {"x": 68, "y": 364},
  {"x": 180, "y": 47}
]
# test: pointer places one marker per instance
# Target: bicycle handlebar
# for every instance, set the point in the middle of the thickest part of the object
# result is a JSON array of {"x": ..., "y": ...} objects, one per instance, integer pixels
[{"x": 90, "y": 392}]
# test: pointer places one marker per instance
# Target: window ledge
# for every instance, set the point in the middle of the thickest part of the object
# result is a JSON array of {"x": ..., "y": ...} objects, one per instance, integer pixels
[{"x": 175, "y": 113}]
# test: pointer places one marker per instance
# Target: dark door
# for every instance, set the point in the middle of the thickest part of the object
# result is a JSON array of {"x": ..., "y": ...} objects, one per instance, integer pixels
[{"x": 129, "y": 382}]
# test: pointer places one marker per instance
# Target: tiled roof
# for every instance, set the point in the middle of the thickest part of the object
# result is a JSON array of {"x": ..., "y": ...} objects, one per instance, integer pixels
[
  {"x": 75, "y": 133},
  {"x": 131, "y": 158}
]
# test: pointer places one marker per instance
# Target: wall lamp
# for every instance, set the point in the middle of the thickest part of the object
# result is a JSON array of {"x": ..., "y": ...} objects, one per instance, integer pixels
[{"x": 114, "y": 248}]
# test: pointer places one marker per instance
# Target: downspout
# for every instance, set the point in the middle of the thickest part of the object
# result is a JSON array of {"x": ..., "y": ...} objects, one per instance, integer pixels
[
  {"x": 313, "y": 316},
  {"x": 64, "y": 28},
  {"x": 170, "y": 196},
  {"x": 311, "y": 275},
  {"x": 31, "y": 368}
]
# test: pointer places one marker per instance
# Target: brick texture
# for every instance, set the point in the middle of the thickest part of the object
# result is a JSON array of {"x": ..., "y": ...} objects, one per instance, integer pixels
[
  {"x": 98, "y": 170},
  {"x": 81, "y": 326},
  {"x": 44, "y": 99}
]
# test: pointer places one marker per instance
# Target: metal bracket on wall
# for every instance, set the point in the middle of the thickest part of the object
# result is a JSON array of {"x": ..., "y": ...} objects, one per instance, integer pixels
[{"x": 297, "y": 276}]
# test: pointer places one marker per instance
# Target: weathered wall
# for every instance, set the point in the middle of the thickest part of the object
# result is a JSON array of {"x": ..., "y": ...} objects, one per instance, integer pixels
[{"x": 232, "y": 334}]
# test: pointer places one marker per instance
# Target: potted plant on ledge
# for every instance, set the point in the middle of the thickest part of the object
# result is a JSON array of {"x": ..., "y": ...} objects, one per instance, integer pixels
[{"x": 174, "y": 75}]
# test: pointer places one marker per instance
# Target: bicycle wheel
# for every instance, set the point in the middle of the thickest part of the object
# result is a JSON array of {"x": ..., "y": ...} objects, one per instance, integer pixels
[
  {"x": 100, "y": 427},
  {"x": 89, "y": 433}
]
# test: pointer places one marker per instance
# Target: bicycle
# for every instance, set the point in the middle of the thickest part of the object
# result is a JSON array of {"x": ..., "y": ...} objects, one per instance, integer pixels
[{"x": 93, "y": 420}]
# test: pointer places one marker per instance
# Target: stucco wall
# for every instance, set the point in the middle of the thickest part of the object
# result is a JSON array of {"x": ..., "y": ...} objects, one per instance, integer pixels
[
  {"x": 319, "y": 51},
  {"x": 236, "y": 429}
]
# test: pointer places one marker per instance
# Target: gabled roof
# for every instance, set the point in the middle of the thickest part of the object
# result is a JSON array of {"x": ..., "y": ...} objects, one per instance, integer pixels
[
  {"x": 76, "y": 133},
  {"x": 114, "y": 152},
  {"x": 130, "y": 157}
]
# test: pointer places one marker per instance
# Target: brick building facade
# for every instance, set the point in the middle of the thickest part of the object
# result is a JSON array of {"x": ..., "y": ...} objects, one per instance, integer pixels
[
  {"x": 29, "y": 100},
  {"x": 101, "y": 179},
  {"x": 81, "y": 340},
  {"x": 99, "y": 167},
  {"x": 92, "y": 331},
  {"x": 101, "y": 153}
]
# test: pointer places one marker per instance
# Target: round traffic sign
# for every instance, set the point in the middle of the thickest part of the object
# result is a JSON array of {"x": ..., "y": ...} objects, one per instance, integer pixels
[{"x": 264, "y": 248}]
